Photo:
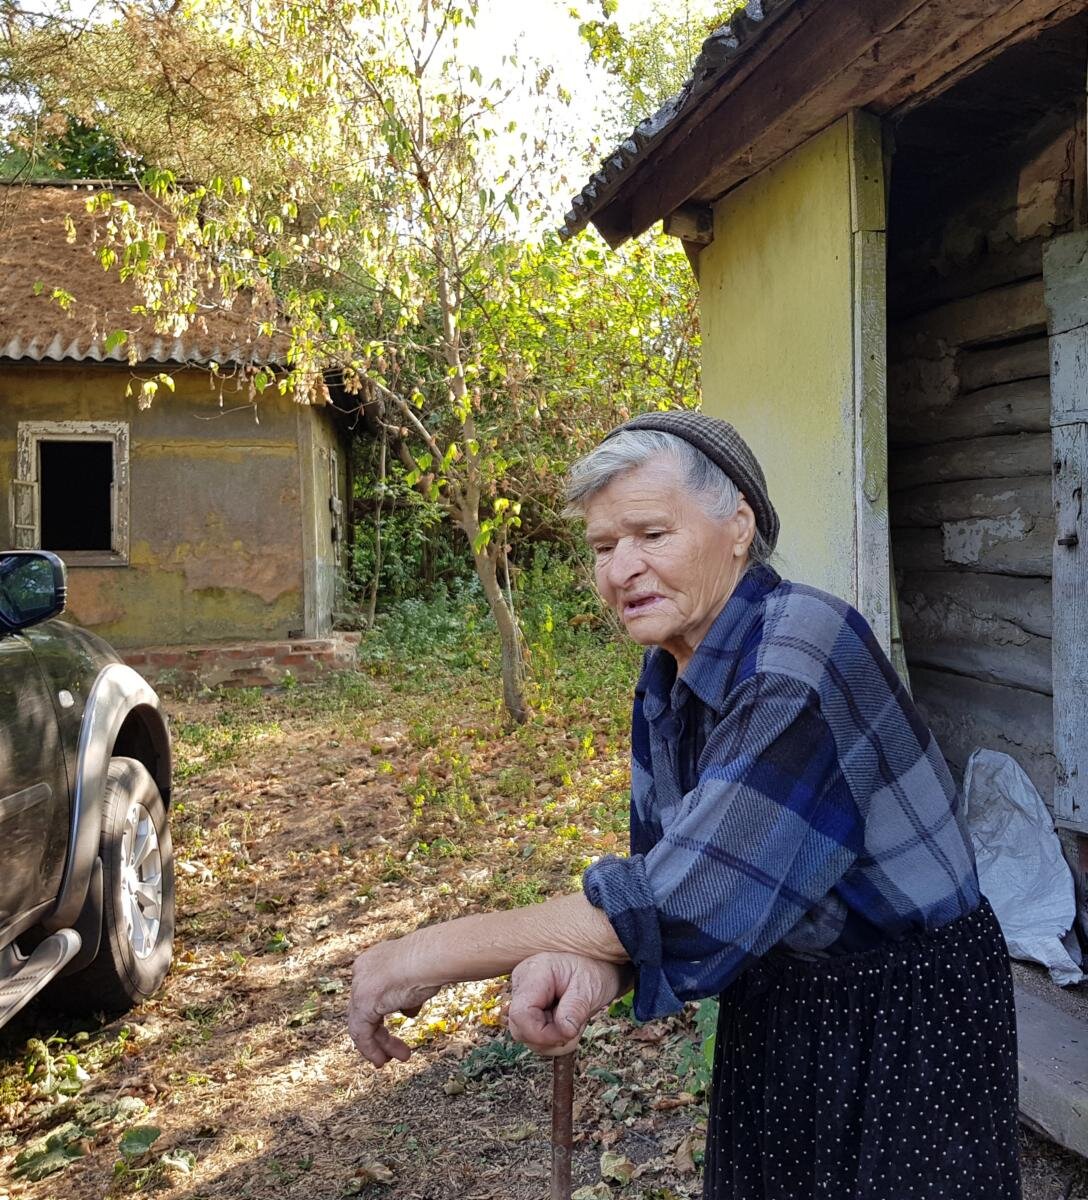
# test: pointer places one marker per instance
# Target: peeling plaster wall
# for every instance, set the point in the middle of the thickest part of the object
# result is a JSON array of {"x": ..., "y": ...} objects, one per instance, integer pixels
[{"x": 215, "y": 505}]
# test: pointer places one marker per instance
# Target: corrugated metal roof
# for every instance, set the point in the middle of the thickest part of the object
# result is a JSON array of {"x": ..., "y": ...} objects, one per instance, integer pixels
[
  {"x": 719, "y": 54},
  {"x": 36, "y": 257}
]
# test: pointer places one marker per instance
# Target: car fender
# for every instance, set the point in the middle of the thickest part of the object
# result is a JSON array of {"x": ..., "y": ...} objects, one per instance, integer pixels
[{"x": 117, "y": 692}]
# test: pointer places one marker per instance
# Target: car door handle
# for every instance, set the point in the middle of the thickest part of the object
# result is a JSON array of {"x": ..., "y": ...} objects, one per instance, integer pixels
[{"x": 19, "y": 802}]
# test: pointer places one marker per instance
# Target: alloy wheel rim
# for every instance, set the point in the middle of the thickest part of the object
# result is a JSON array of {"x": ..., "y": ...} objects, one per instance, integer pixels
[{"x": 141, "y": 880}]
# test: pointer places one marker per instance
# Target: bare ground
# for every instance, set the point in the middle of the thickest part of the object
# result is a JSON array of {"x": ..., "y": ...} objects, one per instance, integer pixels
[{"x": 307, "y": 826}]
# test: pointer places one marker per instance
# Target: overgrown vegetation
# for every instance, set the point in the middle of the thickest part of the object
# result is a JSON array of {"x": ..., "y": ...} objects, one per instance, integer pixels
[
  {"x": 314, "y": 819},
  {"x": 348, "y": 171},
  {"x": 384, "y": 202}
]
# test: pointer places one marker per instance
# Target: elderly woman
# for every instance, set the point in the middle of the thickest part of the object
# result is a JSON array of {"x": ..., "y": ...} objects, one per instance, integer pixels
[{"x": 797, "y": 848}]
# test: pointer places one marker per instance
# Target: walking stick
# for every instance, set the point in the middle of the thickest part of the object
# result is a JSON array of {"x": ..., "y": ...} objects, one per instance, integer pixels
[{"x": 562, "y": 1123}]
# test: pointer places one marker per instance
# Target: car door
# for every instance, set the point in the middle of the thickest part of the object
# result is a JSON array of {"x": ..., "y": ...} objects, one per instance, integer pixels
[{"x": 34, "y": 800}]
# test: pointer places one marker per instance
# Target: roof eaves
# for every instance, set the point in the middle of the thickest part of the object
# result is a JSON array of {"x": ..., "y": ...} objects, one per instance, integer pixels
[{"x": 719, "y": 53}]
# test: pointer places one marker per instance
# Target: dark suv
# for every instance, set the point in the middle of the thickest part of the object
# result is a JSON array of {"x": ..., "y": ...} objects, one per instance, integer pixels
[{"x": 86, "y": 863}]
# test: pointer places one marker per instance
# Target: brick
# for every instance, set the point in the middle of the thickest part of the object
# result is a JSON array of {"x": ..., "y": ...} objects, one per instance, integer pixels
[
  {"x": 249, "y": 679},
  {"x": 294, "y": 660},
  {"x": 163, "y": 659}
]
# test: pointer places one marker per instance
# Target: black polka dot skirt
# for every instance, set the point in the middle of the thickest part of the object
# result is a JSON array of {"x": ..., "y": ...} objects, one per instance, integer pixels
[{"x": 888, "y": 1075}]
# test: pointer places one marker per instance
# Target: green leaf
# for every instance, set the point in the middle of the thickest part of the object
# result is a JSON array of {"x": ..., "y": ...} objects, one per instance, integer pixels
[
  {"x": 138, "y": 1140},
  {"x": 117, "y": 338},
  {"x": 306, "y": 1014},
  {"x": 50, "y": 1154}
]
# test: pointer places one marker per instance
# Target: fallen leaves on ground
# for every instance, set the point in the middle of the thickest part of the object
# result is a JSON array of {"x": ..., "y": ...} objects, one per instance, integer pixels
[{"x": 308, "y": 825}]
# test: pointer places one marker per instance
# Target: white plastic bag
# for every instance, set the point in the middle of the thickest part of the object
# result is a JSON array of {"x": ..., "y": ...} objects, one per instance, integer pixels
[{"x": 1020, "y": 865}]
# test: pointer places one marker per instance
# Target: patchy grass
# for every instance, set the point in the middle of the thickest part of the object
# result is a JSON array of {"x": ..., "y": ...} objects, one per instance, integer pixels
[{"x": 308, "y": 824}]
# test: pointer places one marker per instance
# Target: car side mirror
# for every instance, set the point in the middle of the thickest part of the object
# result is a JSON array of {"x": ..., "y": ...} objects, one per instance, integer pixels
[{"x": 33, "y": 588}]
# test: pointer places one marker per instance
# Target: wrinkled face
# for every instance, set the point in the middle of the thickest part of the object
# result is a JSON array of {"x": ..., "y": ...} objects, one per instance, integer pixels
[{"x": 662, "y": 564}]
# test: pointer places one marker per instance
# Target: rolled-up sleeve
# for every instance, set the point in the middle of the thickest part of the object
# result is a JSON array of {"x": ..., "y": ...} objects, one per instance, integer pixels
[{"x": 768, "y": 830}]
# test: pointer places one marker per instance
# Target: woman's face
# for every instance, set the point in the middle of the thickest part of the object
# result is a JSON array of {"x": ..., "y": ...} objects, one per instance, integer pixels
[{"x": 662, "y": 564}]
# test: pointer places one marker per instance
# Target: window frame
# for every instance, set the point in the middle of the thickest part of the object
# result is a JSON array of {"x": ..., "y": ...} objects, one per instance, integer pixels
[{"x": 25, "y": 505}]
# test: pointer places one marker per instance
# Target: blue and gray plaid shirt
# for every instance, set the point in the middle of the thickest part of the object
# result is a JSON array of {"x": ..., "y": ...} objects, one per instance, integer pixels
[{"x": 786, "y": 793}]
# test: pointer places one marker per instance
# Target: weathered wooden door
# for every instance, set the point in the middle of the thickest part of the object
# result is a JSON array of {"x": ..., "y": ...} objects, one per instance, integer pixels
[{"x": 1065, "y": 273}]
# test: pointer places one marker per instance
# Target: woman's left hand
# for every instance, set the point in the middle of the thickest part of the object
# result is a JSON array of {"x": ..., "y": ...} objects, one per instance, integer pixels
[
  {"x": 555, "y": 995},
  {"x": 382, "y": 982}
]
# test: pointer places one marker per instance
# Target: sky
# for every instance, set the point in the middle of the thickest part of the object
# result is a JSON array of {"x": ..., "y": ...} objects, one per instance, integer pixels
[{"x": 544, "y": 30}]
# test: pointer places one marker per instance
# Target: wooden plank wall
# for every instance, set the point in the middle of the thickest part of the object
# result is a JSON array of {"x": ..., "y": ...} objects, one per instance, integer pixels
[{"x": 970, "y": 461}]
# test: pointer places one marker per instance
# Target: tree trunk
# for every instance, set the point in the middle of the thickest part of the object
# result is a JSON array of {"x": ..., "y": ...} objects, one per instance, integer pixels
[
  {"x": 512, "y": 694},
  {"x": 372, "y": 604},
  {"x": 469, "y": 494}
]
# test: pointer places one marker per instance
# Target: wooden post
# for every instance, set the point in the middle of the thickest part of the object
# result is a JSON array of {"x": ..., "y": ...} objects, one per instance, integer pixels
[
  {"x": 873, "y": 581},
  {"x": 562, "y": 1123},
  {"x": 1065, "y": 273}
]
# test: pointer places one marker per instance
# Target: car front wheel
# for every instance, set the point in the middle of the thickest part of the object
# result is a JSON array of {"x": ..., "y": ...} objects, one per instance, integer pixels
[{"x": 138, "y": 895}]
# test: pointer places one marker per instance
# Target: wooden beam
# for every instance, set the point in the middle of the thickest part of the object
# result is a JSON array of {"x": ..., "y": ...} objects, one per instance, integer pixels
[
  {"x": 945, "y": 68},
  {"x": 867, "y": 221},
  {"x": 692, "y": 250},
  {"x": 959, "y": 634},
  {"x": 1065, "y": 269},
  {"x": 995, "y": 315},
  {"x": 691, "y": 223},
  {"x": 991, "y": 547},
  {"x": 933, "y": 504},
  {"x": 991, "y": 366},
  {"x": 613, "y": 217},
  {"x": 1080, "y": 168},
  {"x": 844, "y": 56},
  {"x": 1002, "y": 456},
  {"x": 1025, "y": 602},
  {"x": 967, "y": 713},
  {"x": 1021, "y": 407}
]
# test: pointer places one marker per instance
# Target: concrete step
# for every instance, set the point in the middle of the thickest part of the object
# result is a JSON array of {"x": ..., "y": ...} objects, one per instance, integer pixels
[{"x": 1053, "y": 1060}]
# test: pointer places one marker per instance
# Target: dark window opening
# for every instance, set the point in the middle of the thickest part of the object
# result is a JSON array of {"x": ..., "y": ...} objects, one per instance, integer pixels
[{"x": 76, "y": 485}]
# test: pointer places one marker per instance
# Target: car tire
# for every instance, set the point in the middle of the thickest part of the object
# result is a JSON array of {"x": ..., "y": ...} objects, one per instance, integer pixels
[{"x": 137, "y": 897}]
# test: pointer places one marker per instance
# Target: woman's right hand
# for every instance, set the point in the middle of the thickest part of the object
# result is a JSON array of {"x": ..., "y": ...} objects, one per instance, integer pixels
[{"x": 555, "y": 995}]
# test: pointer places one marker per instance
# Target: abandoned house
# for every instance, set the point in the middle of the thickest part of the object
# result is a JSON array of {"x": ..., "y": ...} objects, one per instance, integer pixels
[
  {"x": 208, "y": 516},
  {"x": 885, "y": 203}
]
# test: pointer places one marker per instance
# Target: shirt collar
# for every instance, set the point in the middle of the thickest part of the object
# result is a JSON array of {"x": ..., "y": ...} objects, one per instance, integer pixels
[{"x": 709, "y": 674}]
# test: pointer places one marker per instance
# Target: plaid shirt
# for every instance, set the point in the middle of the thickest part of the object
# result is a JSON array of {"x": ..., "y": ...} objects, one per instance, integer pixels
[{"x": 786, "y": 793}]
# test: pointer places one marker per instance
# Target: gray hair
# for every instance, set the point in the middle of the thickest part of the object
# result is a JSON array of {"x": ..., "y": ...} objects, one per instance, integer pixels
[{"x": 716, "y": 493}]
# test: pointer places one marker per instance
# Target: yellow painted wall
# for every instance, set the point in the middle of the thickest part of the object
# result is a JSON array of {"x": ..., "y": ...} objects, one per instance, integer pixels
[
  {"x": 215, "y": 506},
  {"x": 778, "y": 348}
]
